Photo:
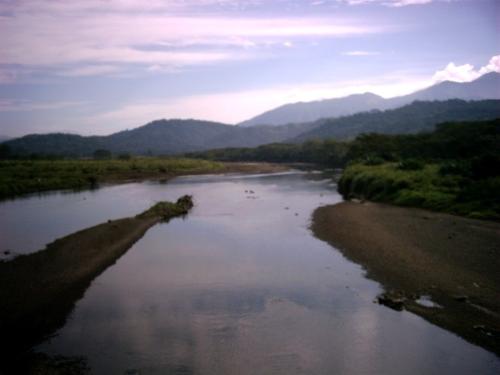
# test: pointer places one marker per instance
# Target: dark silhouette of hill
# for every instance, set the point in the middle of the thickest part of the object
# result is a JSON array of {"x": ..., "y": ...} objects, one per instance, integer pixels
[
  {"x": 158, "y": 137},
  {"x": 411, "y": 118}
]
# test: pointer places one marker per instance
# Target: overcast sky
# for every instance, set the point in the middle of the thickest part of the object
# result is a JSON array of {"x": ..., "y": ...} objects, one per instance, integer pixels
[{"x": 99, "y": 66}]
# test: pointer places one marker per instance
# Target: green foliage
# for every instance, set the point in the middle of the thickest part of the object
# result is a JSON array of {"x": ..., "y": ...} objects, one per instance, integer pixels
[
  {"x": 27, "y": 176},
  {"x": 102, "y": 154},
  {"x": 124, "y": 156},
  {"x": 167, "y": 210},
  {"x": 410, "y": 164},
  {"x": 425, "y": 187},
  {"x": 328, "y": 152}
]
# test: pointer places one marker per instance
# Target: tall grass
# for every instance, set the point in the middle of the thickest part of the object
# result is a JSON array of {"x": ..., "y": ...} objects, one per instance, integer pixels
[{"x": 28, "y": 176}]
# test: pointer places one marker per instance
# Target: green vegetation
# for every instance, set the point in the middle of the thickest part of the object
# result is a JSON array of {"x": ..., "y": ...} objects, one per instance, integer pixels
[
  {"x": 167, "y": 210},
  {"x": 426, "y": 187},
  {"x": 455, "y": 169},
  {"x": 328, "y": 152},
  {"x": 27, "y": 176}
]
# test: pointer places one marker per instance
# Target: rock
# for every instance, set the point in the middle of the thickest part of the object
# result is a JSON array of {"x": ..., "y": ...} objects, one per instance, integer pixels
[
  {"x": 395, "y": 302},
  {"x": 460, "y": 298}
]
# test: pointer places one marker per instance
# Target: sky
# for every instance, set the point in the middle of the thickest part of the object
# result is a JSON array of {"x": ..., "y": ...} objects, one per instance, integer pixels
[{"x": 101, "y": 66}]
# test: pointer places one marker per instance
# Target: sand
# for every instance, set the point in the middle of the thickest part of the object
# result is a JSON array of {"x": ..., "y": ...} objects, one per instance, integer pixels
[{"x": 413, "y": 253}]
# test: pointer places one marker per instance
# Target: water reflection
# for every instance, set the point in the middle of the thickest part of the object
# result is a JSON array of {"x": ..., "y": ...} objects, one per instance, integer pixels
[{"x": 240, "y": 286}]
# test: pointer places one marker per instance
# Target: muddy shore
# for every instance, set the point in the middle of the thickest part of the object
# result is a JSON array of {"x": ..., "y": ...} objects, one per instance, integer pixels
[
  {"x": 39, "y": 290},
  {"x": 413, "y": 253}
]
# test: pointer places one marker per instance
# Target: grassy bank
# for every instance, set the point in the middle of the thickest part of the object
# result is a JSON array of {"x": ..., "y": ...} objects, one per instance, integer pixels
[
  {"x": 39, "y": 290},
  {"x": 18, "y": 177},
  {"x": 28, "y": 176},
  {"x": 443, "y": 186}
]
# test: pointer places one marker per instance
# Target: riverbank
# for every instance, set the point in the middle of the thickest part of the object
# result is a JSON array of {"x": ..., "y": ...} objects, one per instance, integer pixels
[
  {"x": 39, "y": 290},
  {"x": 20, "y": 177},
  {"x": 413, "y": 253}
]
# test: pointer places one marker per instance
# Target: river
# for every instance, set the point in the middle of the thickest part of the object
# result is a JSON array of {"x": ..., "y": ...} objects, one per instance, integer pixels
[{"x": 239, "y": 286}]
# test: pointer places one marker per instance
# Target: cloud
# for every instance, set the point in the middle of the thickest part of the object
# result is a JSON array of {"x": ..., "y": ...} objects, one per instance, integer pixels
[
  {"x": 360, "y": 53},
  {"x": 466, "y": 72},
  {"x": 118, "y": 32},
  {"x": 389, "y": 3},
  {"x": 402, "y": 3},
  {"x": 90, "y": 70},
  {"x": 11, "y": 105},
  {"x": 7, "y": 76}
]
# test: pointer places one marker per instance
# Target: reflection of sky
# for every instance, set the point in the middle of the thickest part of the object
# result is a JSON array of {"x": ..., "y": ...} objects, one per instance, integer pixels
[
  {"x": 241, "y": 287},
  {"x": 27, "y": 224}
]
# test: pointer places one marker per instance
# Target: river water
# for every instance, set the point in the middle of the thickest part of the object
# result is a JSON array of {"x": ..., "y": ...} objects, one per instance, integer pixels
[{"x": 239, "y": 286}]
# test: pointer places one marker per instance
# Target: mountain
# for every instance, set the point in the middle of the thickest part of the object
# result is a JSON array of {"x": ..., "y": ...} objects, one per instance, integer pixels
[
  {"x": 485, "y": 87},
  {"x": 412, "y": 118},
  {"x": 167, "y": 137},
  {"x": 311, "y": 111},
  {"x": 158, "y": 137}
]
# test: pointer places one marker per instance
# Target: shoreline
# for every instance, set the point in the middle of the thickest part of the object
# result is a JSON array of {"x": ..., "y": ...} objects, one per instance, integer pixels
[
  {"x": 39, "y": 290},
  {"x": 116, "y": 178},
  {"x": 415, "y": 253}
]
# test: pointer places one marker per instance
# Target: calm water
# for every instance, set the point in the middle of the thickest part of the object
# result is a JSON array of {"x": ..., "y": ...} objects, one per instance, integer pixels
[{"x": 240, "y": 286}]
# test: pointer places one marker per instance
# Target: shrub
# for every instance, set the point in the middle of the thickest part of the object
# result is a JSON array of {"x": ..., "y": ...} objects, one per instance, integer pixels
[{"x": 410, "y": 165}]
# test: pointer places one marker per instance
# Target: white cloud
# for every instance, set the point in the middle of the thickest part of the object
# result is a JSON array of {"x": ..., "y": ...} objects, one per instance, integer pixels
[
  {"x": 360, "y": 53},
  {"x": 466, "y": 72},
  {"x": 402, "y": 3},
  {"x": 389, "y": 3}
]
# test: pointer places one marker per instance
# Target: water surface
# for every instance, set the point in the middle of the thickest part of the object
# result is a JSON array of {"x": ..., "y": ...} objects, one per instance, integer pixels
[{"x": 239, "y": 286}]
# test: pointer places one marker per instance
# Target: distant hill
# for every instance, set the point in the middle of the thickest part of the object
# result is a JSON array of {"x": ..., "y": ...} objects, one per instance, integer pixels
[
  {"x": 158, "y": 137},
  {"x": 485, "y": 87},
  {"x": 312, "y": 111},
  {"x": 412, "y": 118}
]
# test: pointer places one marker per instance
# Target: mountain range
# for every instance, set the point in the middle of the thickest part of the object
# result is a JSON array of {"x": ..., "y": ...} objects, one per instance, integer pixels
[
  {"x": 341, "y": 118},
  {"x": 485, "y": 87},
  {"x": 168, "y": 137}
]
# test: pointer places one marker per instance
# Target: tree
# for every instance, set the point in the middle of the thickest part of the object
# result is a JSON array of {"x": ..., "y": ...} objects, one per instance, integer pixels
[{"x": 102, "y": 154}]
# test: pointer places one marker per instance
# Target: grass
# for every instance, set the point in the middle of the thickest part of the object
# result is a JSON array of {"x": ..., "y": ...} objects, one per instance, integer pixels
[
  {"x": 19, "y": 177},
  {"x": 423, "y": 186}
]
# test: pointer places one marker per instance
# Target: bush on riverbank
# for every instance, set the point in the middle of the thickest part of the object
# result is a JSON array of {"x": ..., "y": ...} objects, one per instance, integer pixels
[{"x": 426, "y": 187}]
